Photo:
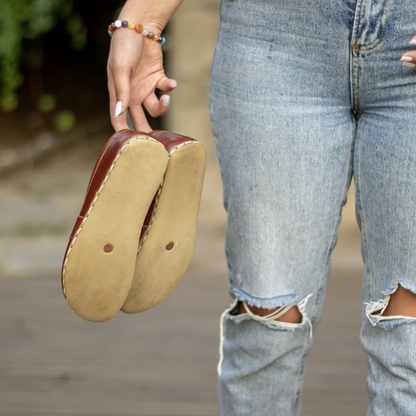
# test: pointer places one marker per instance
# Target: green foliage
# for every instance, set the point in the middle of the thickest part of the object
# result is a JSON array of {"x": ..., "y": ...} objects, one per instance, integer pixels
[
  {"x": 64, "y": 120},
  {"x": 46, "y": 103},
  {"x": 20, "y": 19}
]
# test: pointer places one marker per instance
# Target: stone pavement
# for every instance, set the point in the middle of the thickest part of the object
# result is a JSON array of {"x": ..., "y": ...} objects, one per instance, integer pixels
[{"x": 160, "y": 362}]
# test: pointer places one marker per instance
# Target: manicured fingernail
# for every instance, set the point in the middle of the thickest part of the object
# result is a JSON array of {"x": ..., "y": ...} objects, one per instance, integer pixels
[
  {"x": 409, "y": 64},
  {"x": 119, "y": 106},
  {"x": 412, "y": 42},
  {"x": 406, "y": 58},
  {"x": 165, "y": 100}
]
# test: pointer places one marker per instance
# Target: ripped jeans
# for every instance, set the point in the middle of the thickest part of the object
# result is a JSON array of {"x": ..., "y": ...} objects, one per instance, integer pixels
[{"x": 305, "y": 94}]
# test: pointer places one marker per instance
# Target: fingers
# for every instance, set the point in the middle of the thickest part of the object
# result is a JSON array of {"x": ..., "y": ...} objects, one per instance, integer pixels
[
  {"x": 141, "y": 93},
  {"x": 157, "y": 107},
  {"x": 120, "y": 122},
  {"x": 166, "y": 84},
  {"x": 119, "y": 87},
  {"x": 139, "y": 120},
  {"x": 409, "y": 58}
]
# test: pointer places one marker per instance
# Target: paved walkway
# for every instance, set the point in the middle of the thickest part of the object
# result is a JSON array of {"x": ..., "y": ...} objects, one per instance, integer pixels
[{"x": 160, "y": 362}]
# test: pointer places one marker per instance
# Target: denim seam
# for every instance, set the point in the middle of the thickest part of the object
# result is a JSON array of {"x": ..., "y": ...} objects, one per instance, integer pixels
[
  {"x": 359, "y": 19},
  {"x": 352, "y": 83},
  {"x": 357, "y": 47},
  {"x": 356, "y": 99},
  {"x": 301, "y": 372},
  {"x": 357, "y": 84},
  {"x": 334, "y": 235},
  {"x": 359, "y": 207},
  {"x": 355, "y": 90}
]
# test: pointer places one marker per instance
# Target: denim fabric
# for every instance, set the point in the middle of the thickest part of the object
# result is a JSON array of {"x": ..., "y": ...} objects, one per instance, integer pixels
[{"x": 305, "y": 94}]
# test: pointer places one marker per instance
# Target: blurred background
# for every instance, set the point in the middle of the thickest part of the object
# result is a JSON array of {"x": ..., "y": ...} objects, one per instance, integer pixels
[{"x": 54, "y": 121}]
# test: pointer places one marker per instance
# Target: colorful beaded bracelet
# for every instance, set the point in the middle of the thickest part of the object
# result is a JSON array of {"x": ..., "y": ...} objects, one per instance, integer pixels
[{"x": 138, "y": 28}]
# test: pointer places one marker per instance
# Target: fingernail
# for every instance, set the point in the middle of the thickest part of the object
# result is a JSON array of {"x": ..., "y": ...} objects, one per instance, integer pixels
[
  {"x": 165, "y": 100},
  {"x": 412, "y": 42},
  {"x": 409, "y": 64},
  {"x": 406, "y": 58},
  {"x": 174, "y": 85},
  {"x": 119, "y": 106}
]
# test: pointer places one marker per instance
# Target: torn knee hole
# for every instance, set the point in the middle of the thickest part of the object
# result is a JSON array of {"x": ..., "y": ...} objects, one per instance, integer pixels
[
  {"x": 290, "y": 313},
  {"x": 402, "y": 302},
  {"x": 398, "y": 307}
]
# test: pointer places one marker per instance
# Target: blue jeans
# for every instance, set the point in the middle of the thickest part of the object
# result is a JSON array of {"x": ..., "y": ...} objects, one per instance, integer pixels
[{"x": 305, "y": 94}]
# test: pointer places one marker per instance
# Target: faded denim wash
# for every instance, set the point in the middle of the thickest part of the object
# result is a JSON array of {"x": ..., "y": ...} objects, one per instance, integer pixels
[{"x": 305, "y": 94}]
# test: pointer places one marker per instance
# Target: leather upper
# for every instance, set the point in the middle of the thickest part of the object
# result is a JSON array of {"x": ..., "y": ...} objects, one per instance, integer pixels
[{"x": 106, "y": 159}]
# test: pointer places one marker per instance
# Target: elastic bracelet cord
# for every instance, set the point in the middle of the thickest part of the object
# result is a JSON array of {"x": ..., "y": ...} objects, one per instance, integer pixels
[{"x": 138, "y": 28}]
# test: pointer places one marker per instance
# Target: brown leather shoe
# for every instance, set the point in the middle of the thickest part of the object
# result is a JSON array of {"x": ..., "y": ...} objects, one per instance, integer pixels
[
  {"x": 100, "y": 261},
  {"x": 169, "y": 233}
]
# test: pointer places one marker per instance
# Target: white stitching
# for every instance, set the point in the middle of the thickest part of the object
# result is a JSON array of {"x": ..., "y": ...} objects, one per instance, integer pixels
[{"x": 97, "y": 194}]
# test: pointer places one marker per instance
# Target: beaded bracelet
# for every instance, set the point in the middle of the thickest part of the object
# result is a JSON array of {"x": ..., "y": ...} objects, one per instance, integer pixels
[{"x": 138, "y": 28}]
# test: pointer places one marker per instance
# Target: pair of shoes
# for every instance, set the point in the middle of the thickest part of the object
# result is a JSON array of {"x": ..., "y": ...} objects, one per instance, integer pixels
[{"x": 135, "y": 236}]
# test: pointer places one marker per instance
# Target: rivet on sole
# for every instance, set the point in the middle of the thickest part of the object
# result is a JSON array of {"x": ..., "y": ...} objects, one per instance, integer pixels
[
  {"x": 108, "y": 248},
  {"x": 170, "y": 246}
]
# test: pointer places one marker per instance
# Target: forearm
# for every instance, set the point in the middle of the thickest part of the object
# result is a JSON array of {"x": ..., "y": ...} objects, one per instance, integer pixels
[{"x": 152, "y": 14}]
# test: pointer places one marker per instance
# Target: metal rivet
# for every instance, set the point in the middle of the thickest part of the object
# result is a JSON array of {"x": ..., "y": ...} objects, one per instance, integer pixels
[
  {"x": 108, "y": 248},
  {"x": 170, "y": 246}
]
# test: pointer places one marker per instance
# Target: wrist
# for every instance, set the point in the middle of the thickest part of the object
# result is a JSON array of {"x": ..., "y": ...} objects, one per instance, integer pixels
[
  {"x": 136, "y": 27},
  {"x": 146, "y": 23},
  {"x": 153, "y": 15}
]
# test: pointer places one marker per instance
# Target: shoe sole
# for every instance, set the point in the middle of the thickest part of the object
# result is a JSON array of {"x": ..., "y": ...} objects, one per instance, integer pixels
[
  {"x": 167, "y": 246},
  {"x": 100, "y": 260}
]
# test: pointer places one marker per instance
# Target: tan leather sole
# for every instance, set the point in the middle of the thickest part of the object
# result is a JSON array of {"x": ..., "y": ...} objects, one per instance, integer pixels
[
  {"x": 168, "y": 245},
  {"x": 99, "y": 265}
]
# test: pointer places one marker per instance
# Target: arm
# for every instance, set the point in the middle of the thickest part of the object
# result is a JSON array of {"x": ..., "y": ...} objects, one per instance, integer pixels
[{"x": 135, "y": 64}]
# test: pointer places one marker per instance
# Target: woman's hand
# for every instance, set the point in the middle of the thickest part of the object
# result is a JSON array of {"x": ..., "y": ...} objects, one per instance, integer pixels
[
  {"x": 409, "y": 58},
  {"x": 135, "y": 70}
]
